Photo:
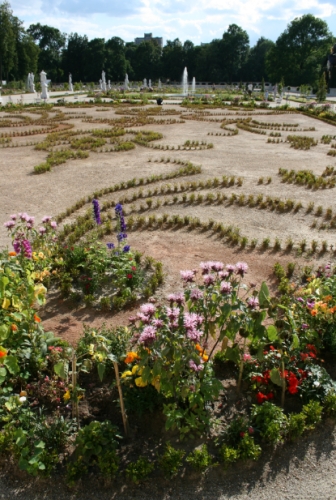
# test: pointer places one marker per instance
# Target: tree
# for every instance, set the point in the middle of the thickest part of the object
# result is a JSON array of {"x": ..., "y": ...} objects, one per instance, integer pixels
[
  {"x": 173, "y": 60},
  {"x": 116, "y": 64},
  {"x": 96, "y": 59},
  {"x": 235, "y": 49},
  {"x": 299, "y": 51},
  {"x": 255, "y": 67},
  {"x": 7, "y": 40},
  {"x": 321, "y": 93},
  {"x": 51, "y": 43},
  {"x": 75, "y": 57}
]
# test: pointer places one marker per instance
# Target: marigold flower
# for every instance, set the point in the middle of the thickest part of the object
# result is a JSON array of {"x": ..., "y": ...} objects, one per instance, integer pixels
[
  {"x": 313, "y": 312},
  {"x": 3, "y": 352},
  {"x": 139, "y": 382},
  {"x": 37, "y": 319},
  {"x": 131, "y": 356},
  {"x": 127, "y": 373},
  {"x": 14, "y": 327},
  {"x": 66, "y": 395},
  {"x": 12, "y": 254}
]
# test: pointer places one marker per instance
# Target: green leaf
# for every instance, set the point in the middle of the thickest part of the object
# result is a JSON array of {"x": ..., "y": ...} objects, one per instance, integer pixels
[
  {"x": 101, "y": 370},
  {"x": 3, "y": 283},
  {"x": 263, "y": 295},
  {"x": 232, "y": 354},
  {"x": 112, "y": 358},
  {"x": 146, "y": 374},
  {"x": 61, "y": 369},
  {"x": 296, "y": 342},
  {"x": 4, "y": 331},
  {"x": 272, "y": 333},
  {"x": 12, "y": 365},
  {"x": 275, "y": 377},
  {"x": 40, "y": 444}
]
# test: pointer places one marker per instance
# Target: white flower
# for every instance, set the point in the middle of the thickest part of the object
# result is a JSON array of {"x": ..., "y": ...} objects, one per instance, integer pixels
[{"x": 22, "y": 399}]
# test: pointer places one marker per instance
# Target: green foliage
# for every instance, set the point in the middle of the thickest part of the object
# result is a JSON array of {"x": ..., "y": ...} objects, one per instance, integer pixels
[
  {"x": 313, "y": 413},
  {"x": 296, "y": 425},
  {"x": 228, "y": 455},
  {"x": 139, "y": 470},
  {"x": 330, "y": 404},
  {"x": 270, "y": 420},
  {"x": 171, "y": 460},
  {"x": 200, "y": 459},
  {"x": 248, "y": 449}
]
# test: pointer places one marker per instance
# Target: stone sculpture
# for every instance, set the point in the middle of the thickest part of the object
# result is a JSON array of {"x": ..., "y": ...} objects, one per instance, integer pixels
[
  {"x": 70, "y": 83},
  {"x": 44, "y": 85}
]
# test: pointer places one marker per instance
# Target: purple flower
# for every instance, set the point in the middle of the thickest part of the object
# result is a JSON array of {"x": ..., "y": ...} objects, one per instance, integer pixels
[
  {"x": 187, "y": 276},
  {"x": 205, "y": 266},
  {"x": 217, "y": 266},
  {"x": 110, "y": 246},
  {"x": 196, "y": 294},
  {"x": 194, "y": 335},
  {"x": 300, "y": 299},
  {"x": 304, "y": 326},
  {"x": 148, "y": 309},
  {"x": 192, "y": 320},
  {"x": 53, "y": 224},
  {"x": 142, "y": 317},
  {"x": 209, "y": 279},
  {"x": 13, "y": 216},
  {"x": 118, "y": 208},
  {"x": 27, "y": 249},
  {"x": 148, "y": 335},
  {"x": 173, "y": 313},
  {"x": 121, "y": 236},
  {"x": 195, "y": 367},
  {"x": 126, "y": 248},
  {"x": 158, "y": 323},
  {"x": 46, "y": 218},
  {"x": 223, "y": 275},
  {"x": 310, "y": 304},
  {"x": 230, "y": 268},
  {"x": 225, "y": 287},
  {"x": 17, "y": 246},
  {"x": 42, "y": 230},
  {"x": 9, "y": 224},
  {"x": 96, "y": 211},
  {"x": 176, "y": 297},
  {"x": 241, "y": 268},
  {"x": 252, "y": 302}
]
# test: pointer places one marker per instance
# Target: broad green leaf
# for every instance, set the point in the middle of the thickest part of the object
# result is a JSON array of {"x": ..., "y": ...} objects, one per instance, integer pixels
[
  {"x": 101, "y": 370},
  {"x": 3, "y": 283},
  {"x": 12, "y": 365},
  {"x": 61, "y": 369},
  {"x": 4, "y": 331},
  {"x": 232, "y": 354},
  {"x": 263, "y": 295},
  {"x": 296, "y": 342},
  {"x": 272, "y": 333},
  {"x": 40, "y": 444},
  {"x": 16, "y": 302},
  {"x": 212, "y": 329},
  {"x": 146, "y": 374},
  {"x": 275, "y": 377}
]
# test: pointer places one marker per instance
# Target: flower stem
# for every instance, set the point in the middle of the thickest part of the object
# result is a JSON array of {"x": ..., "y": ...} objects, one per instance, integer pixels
[{"x": 241, "y": 367}]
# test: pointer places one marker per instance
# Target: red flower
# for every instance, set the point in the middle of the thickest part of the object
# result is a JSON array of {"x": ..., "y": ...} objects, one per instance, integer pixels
[
  {"x": 261, "y": 398},
  {"x": 312, "y": 348},
  {"x": 270, "y": 395},
  {"x": 257, "y": 378},
  {"x": 242, "y": 434},
  {"x": 129, "y": 276},
  {"x": 266, "y": 377},
  {"x": 272, "y": 348},
  {"x": 251, "y": 430},
  {"x": 304, "y": 356},
  {"x": 293, "y": 383}
]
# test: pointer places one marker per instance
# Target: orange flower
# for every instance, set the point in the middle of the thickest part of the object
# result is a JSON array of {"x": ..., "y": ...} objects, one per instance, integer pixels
[
  {"x": 3, "y": 352},
  {"x": 12, "y": 254},
  {"x": 37, "y": 319},
  {"x": 131, "y": 356},
  {"x": 327, "y": 298},
  {"x": 199, "y": 348},
  {"x": 205, "y": 357},
  {"x": 14, "y": 327},
  {"x": 313, "y": 312}
]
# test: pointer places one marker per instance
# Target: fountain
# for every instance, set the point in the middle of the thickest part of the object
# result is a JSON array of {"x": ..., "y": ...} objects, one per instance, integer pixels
[
  {"x": 126, "y": 83},
  {"x": 193, "y": 85},
  {"x": 185, "y": 82},
  {"x": 145, "y": 83}
]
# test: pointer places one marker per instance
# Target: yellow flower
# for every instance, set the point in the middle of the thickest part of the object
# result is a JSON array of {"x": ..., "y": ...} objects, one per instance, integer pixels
[
  {"x": 156, "y": 383},
  {"x": 67, "y": 395},
  {"x": 5, "y": 303},
  {"x": 41, "y": 255},
  {"x": 91, "y": 349},
  {"x": 127, "y": 373},
  {"x": 35, "y": 257},
  {"x": 139, "y": 382},
  {"x": 135, "y": 369}
]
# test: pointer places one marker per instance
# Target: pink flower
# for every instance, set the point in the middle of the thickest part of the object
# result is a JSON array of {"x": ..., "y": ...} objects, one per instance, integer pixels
[
  {"x": 230, "y": 268},
  {"x": 223, "y": 275},
  {"x": 196, "y": 294},
  {"x": 209, "y": 279},
  {"x": 173, "y": 313},
  {"x": 53, "y": 224},
  {"x": 252, "y": 302},
  {"x": 46, "y": 218},
  {"x": 157, "y": 323},
  {"x": 148, "y": 309},
  {"x": 195, "y": 367},
  {"x": 217, "y": 266},
  {"x": 192, "y": 320},
  {"x": 148, "y": 335},
  {"x": 194, "y": 335},
  {"x": 42, "y": 230},
  {"x": 241, "y": 268},
  {"x": 9, "y": 224},
  {"x": 246, "y": 357},
  {"x": 176, "y": 297},
  {"x": 225, "y": 287},
  {"x": 187, "y": 276},
  {"x": 142, "y": 317}
]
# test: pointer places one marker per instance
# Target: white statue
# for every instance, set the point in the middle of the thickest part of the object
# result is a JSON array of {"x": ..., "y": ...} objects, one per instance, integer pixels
[
  {"x": 103, "y": 81},
  {"x": 126, "y": 83},
  {"x": 275, "y": 90},
  {"x": 44, "y": 85},
  {"x": 160, "y": 84},
  {"x": 109, "y": 85},
  {"x": 70, "y": 83},
  {"x": 150, "y": 83},
  {"x": 30, "y": 83},
  {"x": 101, "y": 84}
]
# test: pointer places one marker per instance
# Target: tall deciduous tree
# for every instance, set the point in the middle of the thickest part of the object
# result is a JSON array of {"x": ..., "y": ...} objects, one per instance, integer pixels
[
  {"x": 51, "y": 43},
  {"x": 7, "y": 40},
  {"x": 235, "y": 49},
  {"x": 255, "y": 67},
  {"x": 299, "y": 51},
  {"x": 75, "y": 56}
]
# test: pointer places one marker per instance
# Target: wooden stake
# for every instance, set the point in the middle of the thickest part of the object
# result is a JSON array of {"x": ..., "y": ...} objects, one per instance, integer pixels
[
  {"x": 74, "y": 385},
  {"x": 122, "y": 406}
]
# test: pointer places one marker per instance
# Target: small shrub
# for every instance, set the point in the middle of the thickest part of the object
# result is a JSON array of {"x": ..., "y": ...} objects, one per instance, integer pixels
[
  {"x": 200, "y": 459},
  {"x": 139, "y": 470},
  {"x": 313, "y": 413},
  {"x": 171, "y": 461}
]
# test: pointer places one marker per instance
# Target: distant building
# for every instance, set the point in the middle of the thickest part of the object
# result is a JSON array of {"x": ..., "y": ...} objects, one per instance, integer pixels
[{"x": 148, "y": 37}]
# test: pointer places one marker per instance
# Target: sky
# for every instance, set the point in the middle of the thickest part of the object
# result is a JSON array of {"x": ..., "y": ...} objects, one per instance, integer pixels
[{"x": 200, "y": 21}]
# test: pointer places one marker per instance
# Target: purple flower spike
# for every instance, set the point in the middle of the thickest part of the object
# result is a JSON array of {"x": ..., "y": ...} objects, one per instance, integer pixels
[
  {"x": 96, "y": 211},
  {"x": 110, "y": 246},
  {"x": 126, "y": 248}
]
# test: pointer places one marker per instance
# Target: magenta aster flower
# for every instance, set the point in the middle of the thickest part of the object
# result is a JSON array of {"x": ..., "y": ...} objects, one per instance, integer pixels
[
  {"x": 13, "y": 216},
  {"x": 241, "y": 268},
  {"x": 225, "y": 287},
  {"x": 142, "y": 317},
  {"x": 209, "y": 279},
  {"x": 196, "y": 294},
  {"x": 206, "y": 267},
  {"x": 173, "y": 313},
  {"x": 9, "y": 224},
  {"x": 148, "y": 335},
  {"x": 187, "y": 276},
  {"x": 148, "y": 309},
  {"x": 230, "y": 268},
  {"x": 176, "y": 297},
  {"x": 252, "y": 302}
]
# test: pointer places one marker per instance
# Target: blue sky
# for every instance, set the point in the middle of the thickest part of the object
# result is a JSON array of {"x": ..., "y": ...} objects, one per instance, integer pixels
[{"x": 199, "y": 21}]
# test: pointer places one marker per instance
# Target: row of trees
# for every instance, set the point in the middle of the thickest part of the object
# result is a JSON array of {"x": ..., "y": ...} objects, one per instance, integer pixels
[{"x": 298, "y": 56}]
